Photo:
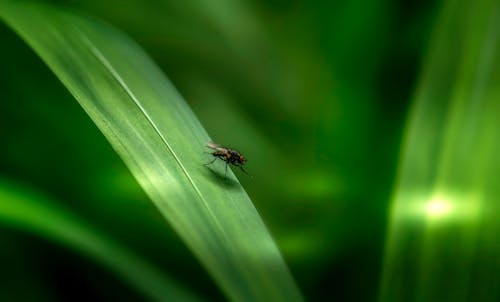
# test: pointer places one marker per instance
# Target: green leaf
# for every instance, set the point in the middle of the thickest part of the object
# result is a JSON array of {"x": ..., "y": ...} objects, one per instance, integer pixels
[
  {"x": 158, "y": 137},
  {"x": 443, "y": 235},
  {"x": 36, "y": 213}
]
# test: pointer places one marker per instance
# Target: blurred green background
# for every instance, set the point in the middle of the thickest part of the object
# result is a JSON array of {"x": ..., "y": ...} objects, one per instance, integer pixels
[{"x": 316, "y": 94}]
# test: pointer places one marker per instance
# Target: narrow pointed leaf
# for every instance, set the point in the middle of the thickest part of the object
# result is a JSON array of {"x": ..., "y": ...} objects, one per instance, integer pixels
[{"x": 161, "y": 141}]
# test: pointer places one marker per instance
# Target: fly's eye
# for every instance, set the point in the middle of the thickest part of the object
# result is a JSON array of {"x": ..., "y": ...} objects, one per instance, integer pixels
[{"x": 242, "y": 159}]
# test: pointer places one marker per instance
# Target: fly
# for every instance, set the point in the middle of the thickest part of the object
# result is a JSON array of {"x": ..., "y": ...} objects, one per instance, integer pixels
[{"x": 230, "y": 156}]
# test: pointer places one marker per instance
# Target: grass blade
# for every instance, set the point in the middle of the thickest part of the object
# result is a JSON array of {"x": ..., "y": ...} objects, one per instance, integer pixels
[
  {"x": 38, "y": 214},
  {"x": 443, "y": 236},
  {"x": 161, "y": 141}
]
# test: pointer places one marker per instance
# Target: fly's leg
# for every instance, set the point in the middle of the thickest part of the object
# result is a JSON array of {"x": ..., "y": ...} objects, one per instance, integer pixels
[
  {"x": 211, "y": 162},
  {"x": 225, "y": 174},
  {"x": 241, "y": 167}
]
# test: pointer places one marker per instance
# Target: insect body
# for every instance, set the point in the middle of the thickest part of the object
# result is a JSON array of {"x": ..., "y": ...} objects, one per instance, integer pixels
[{"x": 230, "y": 156}]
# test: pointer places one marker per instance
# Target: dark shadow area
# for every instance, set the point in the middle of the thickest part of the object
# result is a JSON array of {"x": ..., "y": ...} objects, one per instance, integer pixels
[{"x": 221, "y": 179}]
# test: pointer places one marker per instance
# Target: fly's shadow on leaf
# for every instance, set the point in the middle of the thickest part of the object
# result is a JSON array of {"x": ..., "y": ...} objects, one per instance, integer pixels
[{"x": 221, "y": 179}]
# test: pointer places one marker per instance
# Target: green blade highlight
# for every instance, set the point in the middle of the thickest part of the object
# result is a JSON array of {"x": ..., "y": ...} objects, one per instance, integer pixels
[{"x": 443, "y": 236}]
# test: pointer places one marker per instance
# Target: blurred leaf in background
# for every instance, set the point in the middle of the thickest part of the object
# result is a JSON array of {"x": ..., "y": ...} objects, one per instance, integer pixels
[
  {"x": 35, "y": 213},
  {"x": 443, "y": 242}
]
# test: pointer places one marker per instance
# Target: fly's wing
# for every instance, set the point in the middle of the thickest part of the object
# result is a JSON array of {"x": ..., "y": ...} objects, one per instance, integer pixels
[{"x": 215, "y": 146}]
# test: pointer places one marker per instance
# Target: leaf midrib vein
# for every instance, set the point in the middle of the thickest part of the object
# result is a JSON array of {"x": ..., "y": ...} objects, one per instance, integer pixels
[{"x": 102, "y": 59}]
